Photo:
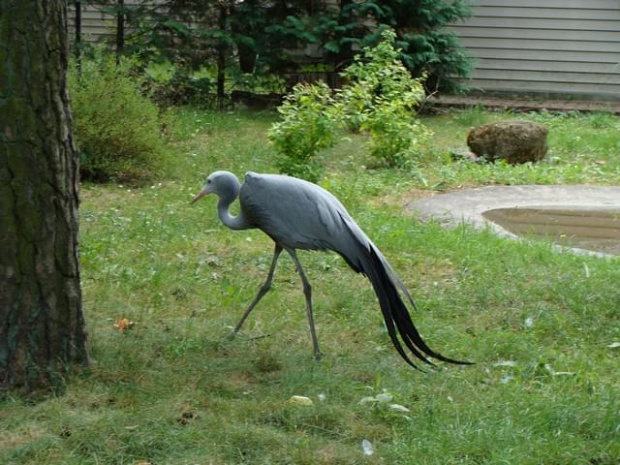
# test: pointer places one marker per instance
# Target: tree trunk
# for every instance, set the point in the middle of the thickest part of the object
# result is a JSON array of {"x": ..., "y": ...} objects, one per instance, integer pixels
[
  {"x": 221, "y": 55},
  {"x": 42, "y": 330},
  {"x": 120, "y": 30}
]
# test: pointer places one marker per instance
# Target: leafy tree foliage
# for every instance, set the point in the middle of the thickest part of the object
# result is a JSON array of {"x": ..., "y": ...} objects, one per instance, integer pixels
[
  {"x": 380, "y": 98},
  {"x": 427, "y": 47},
  {"x": 278, "y": 36}
]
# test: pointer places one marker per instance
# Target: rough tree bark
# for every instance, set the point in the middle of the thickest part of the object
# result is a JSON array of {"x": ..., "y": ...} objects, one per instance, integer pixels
[
  {"x": 222, "y": 49},
  {"x": 42, "y": 330}
]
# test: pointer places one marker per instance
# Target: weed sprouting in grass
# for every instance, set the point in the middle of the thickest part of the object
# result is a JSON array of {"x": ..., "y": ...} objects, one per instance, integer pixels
[{"x": 173, "y": 389}]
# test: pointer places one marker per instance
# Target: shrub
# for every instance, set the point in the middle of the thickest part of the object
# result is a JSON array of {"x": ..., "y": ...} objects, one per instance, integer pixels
[
  {"x": 173, "y": 84},
  {"x": 381, "y": 97},
  {"x": 395, "y": 138},
  {"x": 117, "y": 129},
  {"x": 309, "y": 124}
]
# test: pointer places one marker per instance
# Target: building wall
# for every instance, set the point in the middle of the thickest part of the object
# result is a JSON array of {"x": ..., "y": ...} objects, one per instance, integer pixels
[
  {"x": 548, "y": 46},
  {"x": 97, "y": 25}
]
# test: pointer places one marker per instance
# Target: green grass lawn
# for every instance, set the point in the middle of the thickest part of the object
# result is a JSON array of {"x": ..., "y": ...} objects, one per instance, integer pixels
[{"x": 174, "y": 390}]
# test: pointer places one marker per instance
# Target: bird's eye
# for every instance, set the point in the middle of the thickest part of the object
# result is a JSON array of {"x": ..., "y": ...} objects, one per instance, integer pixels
[{"x": 208, "y": 181}]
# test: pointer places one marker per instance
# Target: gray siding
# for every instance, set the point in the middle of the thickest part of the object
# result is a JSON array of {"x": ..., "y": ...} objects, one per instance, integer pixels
[
  {"x": 97, "y": 25},
  {"x": 547, "y": 46}
]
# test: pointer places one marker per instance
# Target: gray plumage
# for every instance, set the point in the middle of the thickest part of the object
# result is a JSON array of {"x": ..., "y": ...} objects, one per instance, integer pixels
[{"x": 297, "y": 214}]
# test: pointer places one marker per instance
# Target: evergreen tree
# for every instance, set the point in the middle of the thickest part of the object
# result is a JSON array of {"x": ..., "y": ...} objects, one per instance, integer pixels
[
  {"x": 339, "y": 30},
  {"x": 275, "y": 36},
  {"x": 428, "y": 47}
]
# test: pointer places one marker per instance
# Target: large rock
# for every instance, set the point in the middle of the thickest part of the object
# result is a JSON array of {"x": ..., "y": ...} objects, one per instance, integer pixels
[{"x": 513, "y": 141}]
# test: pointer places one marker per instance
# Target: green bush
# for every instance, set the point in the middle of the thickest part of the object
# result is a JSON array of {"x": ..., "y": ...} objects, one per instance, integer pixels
[
  {"x": 172, "y": 84},
  {"x": 395, "y": 138},
  {"x": 380, "y": 97},
  {"x": 308, "y": 125},
  {"x": 117, "y": 128}
]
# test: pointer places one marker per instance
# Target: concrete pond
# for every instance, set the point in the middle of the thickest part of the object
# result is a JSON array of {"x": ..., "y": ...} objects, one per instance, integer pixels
[{"x": 582, "y": 219}]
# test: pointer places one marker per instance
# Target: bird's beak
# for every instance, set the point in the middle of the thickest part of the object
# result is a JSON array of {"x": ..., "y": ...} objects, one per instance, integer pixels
[{"x": 204, "y": 191}]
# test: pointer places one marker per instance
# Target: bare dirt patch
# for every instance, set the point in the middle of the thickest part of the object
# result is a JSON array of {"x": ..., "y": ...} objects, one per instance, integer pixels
[{"x": 402, "y": 199}]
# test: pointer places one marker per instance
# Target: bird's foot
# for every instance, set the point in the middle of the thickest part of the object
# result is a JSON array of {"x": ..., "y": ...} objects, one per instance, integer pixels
[{"x": 318, "y": 355}]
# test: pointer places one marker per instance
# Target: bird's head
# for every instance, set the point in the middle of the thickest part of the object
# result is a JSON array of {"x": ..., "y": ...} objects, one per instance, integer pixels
[{"x": 221, "y": 183}]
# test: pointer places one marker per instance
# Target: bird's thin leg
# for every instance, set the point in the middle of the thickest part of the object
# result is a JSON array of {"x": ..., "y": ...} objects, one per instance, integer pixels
[
  {"x": 308, "y": 294},
  {"x": 263, "y": 289}
]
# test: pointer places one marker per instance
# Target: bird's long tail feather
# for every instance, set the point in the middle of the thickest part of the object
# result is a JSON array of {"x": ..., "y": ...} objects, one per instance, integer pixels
[
  {"x": 368, "y": 260},
  {"x": 396, "y": 314}
]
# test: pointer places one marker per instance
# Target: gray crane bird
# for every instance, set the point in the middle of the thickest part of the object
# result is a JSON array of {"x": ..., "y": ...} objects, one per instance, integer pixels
[{"x": 297, "y": 214}]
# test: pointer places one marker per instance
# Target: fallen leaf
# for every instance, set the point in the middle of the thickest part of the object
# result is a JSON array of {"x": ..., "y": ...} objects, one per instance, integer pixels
[
  {"x": 300, "y": 400},
  {"x": 122, "y": 324},
  {"x": 614, "y": 345}
]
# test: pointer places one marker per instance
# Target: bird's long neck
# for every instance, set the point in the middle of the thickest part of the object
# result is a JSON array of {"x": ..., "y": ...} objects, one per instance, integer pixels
[{"x": 233, "y": 222}]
